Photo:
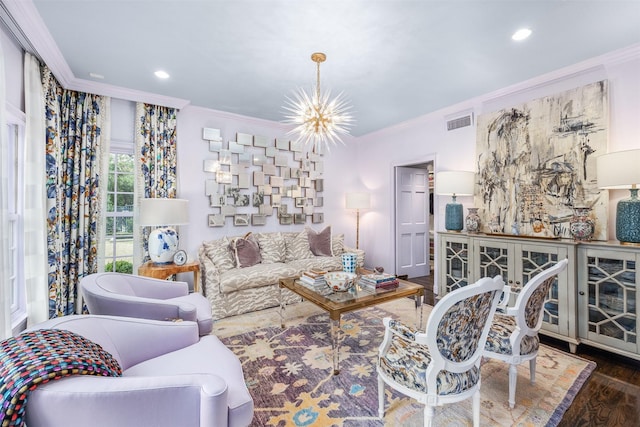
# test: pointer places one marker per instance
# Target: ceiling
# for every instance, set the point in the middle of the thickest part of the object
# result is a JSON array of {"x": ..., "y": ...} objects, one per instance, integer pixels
[{"x": 394, "y": 60}]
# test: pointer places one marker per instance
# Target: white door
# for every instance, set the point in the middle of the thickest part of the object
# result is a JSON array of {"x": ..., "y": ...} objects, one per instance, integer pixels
[{"x": 412, "y": 222}]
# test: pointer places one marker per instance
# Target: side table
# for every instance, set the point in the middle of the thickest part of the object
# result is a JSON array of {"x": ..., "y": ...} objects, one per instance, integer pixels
[{"x": 162, "y": 271}]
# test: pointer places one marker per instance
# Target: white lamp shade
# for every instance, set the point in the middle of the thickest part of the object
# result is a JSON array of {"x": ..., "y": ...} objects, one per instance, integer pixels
[
  {"x": 618, "y": 170},
  {"x": 358, "y": 200},
  {"x": 460, "y": 183},
  {"x": 164, "y": 212}
]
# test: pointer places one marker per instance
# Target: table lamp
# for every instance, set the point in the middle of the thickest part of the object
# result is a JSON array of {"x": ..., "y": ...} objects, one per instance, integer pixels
[
  {"x": 622, "y": 170},
  {"x": 163, "y": 241},
  {"x": 454, "y": 183},
  {"x": 358, "y": 201}
]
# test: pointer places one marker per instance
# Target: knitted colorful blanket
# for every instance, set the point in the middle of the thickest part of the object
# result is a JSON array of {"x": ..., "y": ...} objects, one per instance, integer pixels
[{"x": 37, "y": 357}]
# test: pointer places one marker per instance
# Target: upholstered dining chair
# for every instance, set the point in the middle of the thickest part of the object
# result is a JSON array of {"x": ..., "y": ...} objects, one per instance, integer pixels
[
  {"x": 513, "y": 336},
  {"x": 441, "y": 365}
]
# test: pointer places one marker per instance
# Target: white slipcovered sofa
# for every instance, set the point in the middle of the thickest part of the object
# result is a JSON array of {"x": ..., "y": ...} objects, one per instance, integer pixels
[{"x": 235, "y": 290}]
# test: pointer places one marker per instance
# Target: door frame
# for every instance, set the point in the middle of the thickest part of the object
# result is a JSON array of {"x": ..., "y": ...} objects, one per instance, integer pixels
[{"x": 393, "y": 197}]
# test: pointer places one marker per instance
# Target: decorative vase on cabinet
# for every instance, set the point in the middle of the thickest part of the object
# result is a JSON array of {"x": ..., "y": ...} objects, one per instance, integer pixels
[
  {"x": 581, "y": 226},
  {"x": 472, "y": 221}
]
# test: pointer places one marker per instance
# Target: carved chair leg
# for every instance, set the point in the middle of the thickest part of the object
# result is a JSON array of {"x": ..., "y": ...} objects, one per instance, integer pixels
[
  {"x": 532, "y": 370},
  {"x": 380, "y": 397},
  {"x": 513, "y": 378},
  {"x": 476, "y": 408},
  {"x": 429, "y": 413}
]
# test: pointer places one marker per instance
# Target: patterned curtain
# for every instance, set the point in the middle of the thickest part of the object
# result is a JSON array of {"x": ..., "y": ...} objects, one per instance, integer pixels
[
  {"x": 156, "y": 135},
  {"x": 73, "y": 164}
]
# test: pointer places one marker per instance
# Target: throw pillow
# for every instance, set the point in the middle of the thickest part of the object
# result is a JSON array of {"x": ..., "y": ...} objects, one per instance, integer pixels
[
  {"x": 320, "y": 242},
  {"x": 218, "y": 252},
  {"x": 297, "y": 246},
  {"x": 245, "y": 250},
  {"x": 272, "y": 247},
  {"x": 337, "y": 244}
]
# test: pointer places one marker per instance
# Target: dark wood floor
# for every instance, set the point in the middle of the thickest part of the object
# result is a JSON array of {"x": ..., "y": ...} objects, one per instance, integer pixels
[{"x": 611, "y": 395}]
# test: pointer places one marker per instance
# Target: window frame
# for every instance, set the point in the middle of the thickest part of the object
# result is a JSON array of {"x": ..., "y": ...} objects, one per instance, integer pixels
[
  {"x": 15, "y": 140},
  {"x": 117, "y": 148}
]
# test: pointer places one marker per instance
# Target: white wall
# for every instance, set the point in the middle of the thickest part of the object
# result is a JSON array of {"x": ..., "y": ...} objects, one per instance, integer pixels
[
  {"x": 339, "y": 176},
  {"x": 413, "y": 141},
  {"x": 13, "y": 68}
]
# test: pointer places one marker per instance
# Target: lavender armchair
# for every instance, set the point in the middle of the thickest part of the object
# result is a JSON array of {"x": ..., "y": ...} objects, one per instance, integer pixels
[
  {"x": 171, "y": 377},
  {"x": 117, "y": 294}
]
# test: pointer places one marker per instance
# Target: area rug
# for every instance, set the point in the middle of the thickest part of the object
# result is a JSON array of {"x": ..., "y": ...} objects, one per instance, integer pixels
[{"x": 289, "y": 374}]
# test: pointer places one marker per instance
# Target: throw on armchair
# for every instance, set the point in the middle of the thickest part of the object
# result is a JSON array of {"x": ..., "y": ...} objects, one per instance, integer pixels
[
  {"x": 118, "y": 294},
  {"x": 170, "y": 377}
]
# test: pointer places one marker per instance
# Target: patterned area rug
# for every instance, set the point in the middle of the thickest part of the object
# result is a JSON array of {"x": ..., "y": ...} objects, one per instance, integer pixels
[{"x": 289, "y": 374}]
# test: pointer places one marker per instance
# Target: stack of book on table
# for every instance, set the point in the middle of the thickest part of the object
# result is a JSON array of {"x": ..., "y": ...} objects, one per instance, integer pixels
[
  {"x": 379, "y": 282},
  {"x": 314, "y": 278}
]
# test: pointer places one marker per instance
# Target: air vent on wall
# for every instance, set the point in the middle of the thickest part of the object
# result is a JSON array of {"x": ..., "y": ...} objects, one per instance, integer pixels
[{"x": 458, "y": 123}]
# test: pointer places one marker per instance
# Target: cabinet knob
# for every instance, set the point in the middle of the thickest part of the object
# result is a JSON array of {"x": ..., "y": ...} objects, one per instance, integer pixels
[
  {"x": 581, "y": 293},
  {"x": 517, "y": 282},
  {"x": 510, "y": 281}
]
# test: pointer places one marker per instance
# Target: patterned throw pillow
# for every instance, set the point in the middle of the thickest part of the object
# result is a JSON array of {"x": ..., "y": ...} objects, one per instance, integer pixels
[
  {"x": 320, "y": 242},
  {"x": 297, "y": 246},
  {"x": 246, "y": 250},
  {"x": 218, "y": 252},
  {"x": 272, "y": 247},
  {"x": 337, "y": 244}
]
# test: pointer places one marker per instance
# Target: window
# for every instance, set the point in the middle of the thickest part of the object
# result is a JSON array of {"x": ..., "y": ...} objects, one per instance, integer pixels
[
  {"x": 119, "y": 212},
  {"x": 15, "y": 144}
]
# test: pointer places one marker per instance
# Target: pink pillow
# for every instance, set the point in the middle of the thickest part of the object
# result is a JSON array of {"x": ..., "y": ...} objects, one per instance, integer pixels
[
  {"x": 245, "y": 251},
  {"x": 320, "y": 242}
]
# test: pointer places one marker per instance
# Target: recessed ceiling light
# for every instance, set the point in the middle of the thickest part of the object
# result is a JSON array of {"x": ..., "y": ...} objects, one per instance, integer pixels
[
  {"x": 161, "y": 74},
  {"x": 521, "y": 34},
  {"x": 96, "y": 76}
]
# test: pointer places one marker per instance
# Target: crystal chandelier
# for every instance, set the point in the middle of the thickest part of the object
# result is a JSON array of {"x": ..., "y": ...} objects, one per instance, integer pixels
[{"x": 318, "y": 121}]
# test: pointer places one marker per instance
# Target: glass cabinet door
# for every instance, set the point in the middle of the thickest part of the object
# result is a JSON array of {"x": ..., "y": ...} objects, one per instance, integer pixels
[
  {"x": 492, "y": 259},
  {"x": 456, "y": 255},
  {"x": 611, "y": 291}
]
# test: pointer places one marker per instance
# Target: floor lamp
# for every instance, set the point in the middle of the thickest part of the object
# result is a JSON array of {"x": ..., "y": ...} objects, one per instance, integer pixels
[{"x": 358, "y": 201}]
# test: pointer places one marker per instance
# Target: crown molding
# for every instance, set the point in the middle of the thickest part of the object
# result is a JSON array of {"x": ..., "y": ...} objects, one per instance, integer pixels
[
  {"x": 125, "y": 93},
  {"x": 597, "y": 64},
  {"x": 36, "y": 39},
  {"x": 245, "y": 119}
]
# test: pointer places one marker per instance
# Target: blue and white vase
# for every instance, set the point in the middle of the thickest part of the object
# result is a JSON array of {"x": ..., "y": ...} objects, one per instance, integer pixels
[
  {"x": 581, "y": 226},
  {"x": 163, "y": 244},
  {"x": 349, "y": 262}
]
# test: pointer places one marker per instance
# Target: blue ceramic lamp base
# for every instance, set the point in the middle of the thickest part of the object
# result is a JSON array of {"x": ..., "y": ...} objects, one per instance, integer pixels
[
  {"x": 628, "y": 220},
  {"x": 453, "y": 217}
]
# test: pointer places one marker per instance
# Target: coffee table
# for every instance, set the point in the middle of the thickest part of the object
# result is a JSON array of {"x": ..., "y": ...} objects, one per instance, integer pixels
[{"x": 336, "y": 303}]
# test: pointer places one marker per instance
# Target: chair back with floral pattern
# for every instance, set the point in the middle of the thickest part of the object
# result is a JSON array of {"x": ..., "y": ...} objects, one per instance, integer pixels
[
  {"x": 530, "y": 302},
  {"x": 459, "y": 324}
]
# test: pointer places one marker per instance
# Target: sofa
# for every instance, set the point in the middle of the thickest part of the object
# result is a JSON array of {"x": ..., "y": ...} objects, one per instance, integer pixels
[
  {"x": 119, "y": 294},
  {"x": 235, "y": 285},
  {"x": 170, "y": 377}
]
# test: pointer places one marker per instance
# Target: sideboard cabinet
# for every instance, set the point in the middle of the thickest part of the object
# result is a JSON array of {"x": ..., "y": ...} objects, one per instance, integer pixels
[
  {"x": 469, "y": 257},
  {"x": 608, "y": 297},
  {"x": 594, "y": 301}
]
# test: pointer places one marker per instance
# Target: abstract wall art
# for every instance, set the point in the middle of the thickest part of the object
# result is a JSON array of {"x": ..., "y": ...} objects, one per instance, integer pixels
[{"x": 536, "y": 162}]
